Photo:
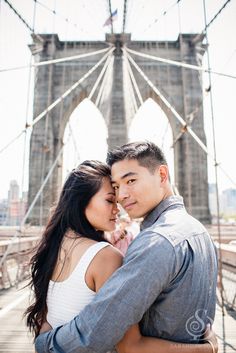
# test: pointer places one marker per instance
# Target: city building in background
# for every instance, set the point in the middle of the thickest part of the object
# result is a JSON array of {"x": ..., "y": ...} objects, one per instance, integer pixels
[
  {"x": 227, "y": 203},
  {"x": 13, "y": 209},
  {"x": 3, "y": 212}
]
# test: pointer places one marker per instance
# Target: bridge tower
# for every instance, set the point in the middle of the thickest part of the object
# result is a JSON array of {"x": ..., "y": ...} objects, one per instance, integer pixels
[{"x": 181, "y": 87}]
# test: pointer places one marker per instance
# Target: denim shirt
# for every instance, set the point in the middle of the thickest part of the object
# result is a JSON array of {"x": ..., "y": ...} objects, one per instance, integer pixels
[{"x": 167, "y": 283}]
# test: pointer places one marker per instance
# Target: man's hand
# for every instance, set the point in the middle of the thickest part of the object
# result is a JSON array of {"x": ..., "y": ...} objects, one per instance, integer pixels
[{"x": 45, "y": 327}]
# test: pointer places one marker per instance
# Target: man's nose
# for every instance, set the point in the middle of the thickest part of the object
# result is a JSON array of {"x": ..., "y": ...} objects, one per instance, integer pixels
[{"x": 122, "y": 194}]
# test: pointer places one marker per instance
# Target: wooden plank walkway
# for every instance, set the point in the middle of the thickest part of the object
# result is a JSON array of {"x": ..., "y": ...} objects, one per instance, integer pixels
[
  {"x": 13, "y": 332},
  {"x": 14, "y": 337},
  {"x": 227, "y": 344}
]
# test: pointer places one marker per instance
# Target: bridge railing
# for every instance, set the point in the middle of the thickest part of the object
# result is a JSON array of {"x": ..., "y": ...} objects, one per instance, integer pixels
[
  {"x": 15, "y": 266},
  {"x": 228, "y": 254}
]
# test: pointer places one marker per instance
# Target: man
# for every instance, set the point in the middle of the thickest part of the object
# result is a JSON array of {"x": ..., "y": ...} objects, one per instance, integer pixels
[{"x": 168, "y": 279}]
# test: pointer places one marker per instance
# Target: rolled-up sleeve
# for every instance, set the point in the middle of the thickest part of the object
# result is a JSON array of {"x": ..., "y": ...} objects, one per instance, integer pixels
[{"x": 148, "y": 268}]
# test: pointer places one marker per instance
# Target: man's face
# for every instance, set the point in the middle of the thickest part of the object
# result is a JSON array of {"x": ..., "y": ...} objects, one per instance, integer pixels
[{"x": 137, "y": 189}]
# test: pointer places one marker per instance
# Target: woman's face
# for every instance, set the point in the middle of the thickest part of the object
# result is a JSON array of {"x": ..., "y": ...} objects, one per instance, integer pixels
[{"x": 102, "y": 209}]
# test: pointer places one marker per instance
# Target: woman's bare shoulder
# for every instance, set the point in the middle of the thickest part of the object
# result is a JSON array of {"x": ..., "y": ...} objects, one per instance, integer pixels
[
  {"x": 105, "y": 263},
  {"x": 111, "y": 254}
]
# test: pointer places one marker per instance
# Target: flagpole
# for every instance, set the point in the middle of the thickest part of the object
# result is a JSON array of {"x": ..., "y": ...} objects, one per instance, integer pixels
[{"x": 111, "y": 16}]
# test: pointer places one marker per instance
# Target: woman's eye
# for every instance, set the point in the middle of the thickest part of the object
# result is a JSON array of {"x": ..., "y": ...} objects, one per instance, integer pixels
[
  {"x": 111, "y": 201},
  {"x": 130, "y": 181},
  {"x": 115, "y": 187}
]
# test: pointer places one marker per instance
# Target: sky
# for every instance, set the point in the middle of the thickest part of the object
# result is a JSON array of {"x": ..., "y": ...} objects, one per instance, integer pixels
[{"x": 145, "y": 21}]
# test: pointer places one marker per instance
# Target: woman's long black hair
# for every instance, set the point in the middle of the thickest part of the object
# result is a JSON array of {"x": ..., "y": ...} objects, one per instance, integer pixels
[{"x": 81, "y": 185}]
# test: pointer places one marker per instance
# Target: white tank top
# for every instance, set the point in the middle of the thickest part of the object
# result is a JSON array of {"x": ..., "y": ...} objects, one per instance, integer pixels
[{"x": 67, "y": 298}]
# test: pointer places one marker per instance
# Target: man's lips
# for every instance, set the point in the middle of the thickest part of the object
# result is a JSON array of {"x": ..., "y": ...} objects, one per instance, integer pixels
[{"x": 128, "y": 205}]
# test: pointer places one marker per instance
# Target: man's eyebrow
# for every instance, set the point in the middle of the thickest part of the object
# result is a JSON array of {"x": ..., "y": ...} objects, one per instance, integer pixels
[
  {"x": 125, "y": 176},
  {"x": 111, "y": 193}
]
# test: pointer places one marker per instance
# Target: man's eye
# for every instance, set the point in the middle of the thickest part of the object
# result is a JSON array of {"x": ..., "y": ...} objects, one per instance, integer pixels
[
  {"x": 130, "y": 181},
  {"x": 115, "y": 187}
]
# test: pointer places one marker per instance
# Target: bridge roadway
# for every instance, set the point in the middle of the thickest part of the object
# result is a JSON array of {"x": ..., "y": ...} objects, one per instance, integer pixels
[{"x": 14, "y": 337}]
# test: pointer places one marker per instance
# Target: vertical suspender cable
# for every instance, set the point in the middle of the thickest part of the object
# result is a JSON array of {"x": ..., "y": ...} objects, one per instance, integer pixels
[
  {"x": 72, "y": 75},
  {"x": 216, "y": 179},
  {"x": 16, "y": 235},
  {"x": 124, "y": 16},
  {"x": 104, "y": 83},
  {"x": 128, "y": 86},
  {"x": 186, "y": 136},
  {"x": 168, "y": 86},
  {"x": 24, "y": 148},
  {"x": 45, "y": 147}
]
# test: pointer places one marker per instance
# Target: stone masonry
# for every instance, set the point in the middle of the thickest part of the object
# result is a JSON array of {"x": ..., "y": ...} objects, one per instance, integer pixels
[{"x": 181, "y": 87}]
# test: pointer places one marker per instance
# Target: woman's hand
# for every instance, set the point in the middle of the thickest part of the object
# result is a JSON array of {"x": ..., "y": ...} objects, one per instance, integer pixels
[
  {"x": 210, "y": 336},
  {"x": 134, "y": 342},
  {"x": 45, "y": 327}
]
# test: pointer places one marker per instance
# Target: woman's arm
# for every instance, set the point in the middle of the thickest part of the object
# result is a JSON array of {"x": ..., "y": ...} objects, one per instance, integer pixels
[
  {"x": 105, "y": 263},
  {"x": 134, "y": 342},
  {"x": 45, "y": 327}
]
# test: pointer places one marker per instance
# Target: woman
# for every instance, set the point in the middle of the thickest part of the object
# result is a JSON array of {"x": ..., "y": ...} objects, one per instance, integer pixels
[{"x": 74, "y": 260}]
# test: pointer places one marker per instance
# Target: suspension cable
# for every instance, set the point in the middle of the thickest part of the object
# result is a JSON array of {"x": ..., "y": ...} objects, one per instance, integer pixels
[
  {"x": 216, "y": 179},
  {"x": 168, "y": 122},
  {"x": 103, "y": 84},
  {"x": 60, "y": 99},
  {"x": 164, "y": 13},
  {"x": 74, "y": 141},
  {"x": 203, "y": 33},
  {"x": 56, "y": 13},
  {"x": 16, "y": 235},
  {"x": 188, "y": 160},
  {"x": 124, "y": 15},
  {"x": 127, "y": 80},
  {"x": 186, "y": 128},
  {"x": 24, "y": 146},
  {"x": 55, "y": 61},
  {"x": 178, "y": 63},
  {"x": 191, "y": 116},
  {"x": 19, "y": 16},
  {"x": 107, "y": 63},
  {"x": 13, "y": 140},
  {"x": 133, "y": 78},
  {"x": 72, "y": 88},
  {"x": 65, "y": 48},
  {"x": 216, "y": 15},
  {"x": 45, "y": 148},
  {"x": 180, "y": 119}
]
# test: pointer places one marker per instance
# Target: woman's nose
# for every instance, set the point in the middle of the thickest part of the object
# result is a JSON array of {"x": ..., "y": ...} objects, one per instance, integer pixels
[{"x": 115, "y": 208}]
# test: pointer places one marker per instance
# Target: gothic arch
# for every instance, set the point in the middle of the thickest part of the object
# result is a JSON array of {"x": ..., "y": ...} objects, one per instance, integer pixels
[{"x": 181, "y": 87}]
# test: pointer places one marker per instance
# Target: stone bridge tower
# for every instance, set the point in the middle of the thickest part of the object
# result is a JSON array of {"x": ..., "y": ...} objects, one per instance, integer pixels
[{"x": 181, "y": 87}]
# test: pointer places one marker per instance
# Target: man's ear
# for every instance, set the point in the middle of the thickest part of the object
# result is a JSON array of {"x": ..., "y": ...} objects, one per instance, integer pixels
[{"x": 164, "y": 173}]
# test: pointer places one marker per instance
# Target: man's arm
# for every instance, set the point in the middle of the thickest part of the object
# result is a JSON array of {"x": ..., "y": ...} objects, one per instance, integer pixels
[{"x": 148, "y": 268}]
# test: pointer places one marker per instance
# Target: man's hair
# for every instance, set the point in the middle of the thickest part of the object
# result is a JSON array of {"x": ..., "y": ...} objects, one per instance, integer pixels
[{"x": 146, "y": 153}]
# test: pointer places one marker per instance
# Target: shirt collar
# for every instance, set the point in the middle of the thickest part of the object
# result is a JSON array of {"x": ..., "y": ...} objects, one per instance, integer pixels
[{"x": 159, "y": 209}]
